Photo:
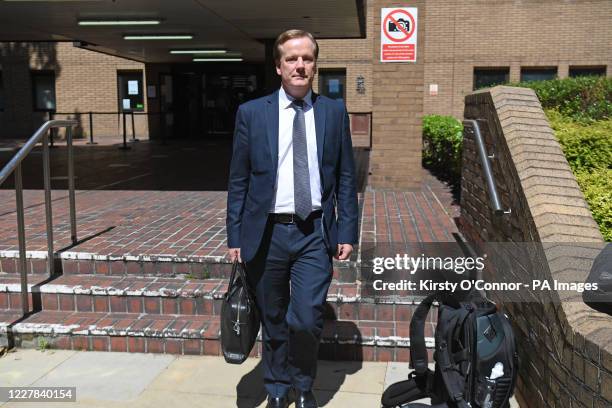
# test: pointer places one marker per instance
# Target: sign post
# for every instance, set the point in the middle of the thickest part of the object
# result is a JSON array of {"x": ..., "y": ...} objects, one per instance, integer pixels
[{"x": 398, "y": 34}]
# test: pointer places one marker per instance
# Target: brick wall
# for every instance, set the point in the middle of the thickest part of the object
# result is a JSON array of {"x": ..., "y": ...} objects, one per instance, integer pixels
[
  {"x": 462, "y": 35},
  {"x": 454, "y": 37},
  {"x": 397, "y": 103},
  {"x": 565, "y": 349},
  {"x": 85, "y": 81}
]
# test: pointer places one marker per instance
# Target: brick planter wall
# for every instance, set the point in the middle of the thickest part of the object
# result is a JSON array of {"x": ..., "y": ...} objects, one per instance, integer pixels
[{"x": 565, "y": 346}]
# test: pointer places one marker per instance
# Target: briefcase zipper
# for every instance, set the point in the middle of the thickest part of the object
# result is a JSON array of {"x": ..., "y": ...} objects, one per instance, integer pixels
[{"x": 237, "y": 322}]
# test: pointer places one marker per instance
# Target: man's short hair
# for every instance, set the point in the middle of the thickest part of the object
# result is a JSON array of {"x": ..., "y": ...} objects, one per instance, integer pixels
[{"x": 290, "y": 35}]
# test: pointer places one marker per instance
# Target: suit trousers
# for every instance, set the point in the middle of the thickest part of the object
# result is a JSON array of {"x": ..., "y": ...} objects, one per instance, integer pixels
[{"x": 291, "y": 274}]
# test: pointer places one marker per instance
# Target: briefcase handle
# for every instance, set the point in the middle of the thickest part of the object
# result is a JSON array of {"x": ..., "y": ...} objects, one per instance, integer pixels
[{"x": 240, "y": 267}]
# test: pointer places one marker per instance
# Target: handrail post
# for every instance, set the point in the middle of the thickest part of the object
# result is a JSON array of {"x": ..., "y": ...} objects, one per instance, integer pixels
[
  {"x": 124, "y": 146},
  {"x": 23, "y": 267},
  {"x": 133, "y": 129},
  {"x": 91, "y": 137},
  {"x": 73, "y": 231},
  {"x": 52, "y": 130},
  {"x": 48, "y": 210}
]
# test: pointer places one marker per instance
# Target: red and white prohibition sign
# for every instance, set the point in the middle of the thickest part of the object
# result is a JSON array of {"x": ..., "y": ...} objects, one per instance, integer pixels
[{"x": 398, "y": 36}]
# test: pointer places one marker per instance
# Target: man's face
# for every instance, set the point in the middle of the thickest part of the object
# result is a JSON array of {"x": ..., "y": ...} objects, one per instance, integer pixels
[{"x": 297, "y": 65}]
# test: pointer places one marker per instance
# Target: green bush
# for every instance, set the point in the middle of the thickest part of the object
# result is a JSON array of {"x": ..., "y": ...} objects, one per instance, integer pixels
[
  {"x": 586, "y": 147},
  {"x": 596, "y": 186},
  {"x": 442, "y": 139},
  {"x": 583, "y": 99}
]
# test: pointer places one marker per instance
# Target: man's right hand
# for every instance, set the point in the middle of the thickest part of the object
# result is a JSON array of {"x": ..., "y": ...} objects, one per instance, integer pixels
[{"x": 234, "y": 253}]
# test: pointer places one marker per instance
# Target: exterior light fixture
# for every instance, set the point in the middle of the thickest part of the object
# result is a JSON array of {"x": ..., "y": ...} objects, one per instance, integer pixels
[
  {"x": 158, "y": 37},
  {"x": 198, "y": 51},
  {"x": 217, "y": 59},
  {"x": 118, "y": 22},
  {"x": 48, "y": 1}
]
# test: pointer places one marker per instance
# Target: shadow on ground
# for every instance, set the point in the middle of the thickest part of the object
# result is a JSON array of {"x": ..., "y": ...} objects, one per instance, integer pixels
[
  {"x": 181, "y": 165},
  {"x": 331, "y": 375}
]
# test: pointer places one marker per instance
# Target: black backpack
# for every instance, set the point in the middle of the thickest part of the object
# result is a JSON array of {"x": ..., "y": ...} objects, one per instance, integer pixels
[
  {"x": 475, "y": 355},
  {"x": 601, "y": 274}
]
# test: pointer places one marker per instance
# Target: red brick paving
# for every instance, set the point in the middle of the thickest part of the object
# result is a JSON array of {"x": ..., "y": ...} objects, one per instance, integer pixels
[
  {"x": 191, "y": 224},
  {"x": 126, "y": 230}
]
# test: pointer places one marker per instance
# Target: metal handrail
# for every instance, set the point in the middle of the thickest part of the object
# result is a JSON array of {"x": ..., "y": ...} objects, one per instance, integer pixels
[
  {"x": 14, "y": 165},
  {"x": 486, "y": 167}
]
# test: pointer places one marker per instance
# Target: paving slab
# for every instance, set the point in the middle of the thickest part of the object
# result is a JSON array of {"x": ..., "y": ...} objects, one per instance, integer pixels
[
  {"x": 106, "y": 376},
  {"x": 146, "y": 380},
  {"x": 24, "y": 367},
  {"x": 122, "y": 380},
  {"x": 351, "y": 376},
  {"x": 209, "y": 375}
]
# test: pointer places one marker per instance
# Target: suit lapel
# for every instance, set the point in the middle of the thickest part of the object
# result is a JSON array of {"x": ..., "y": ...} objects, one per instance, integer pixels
[
  {"x": 272, "y": 128},
  {"x": 318, "y": 105}
]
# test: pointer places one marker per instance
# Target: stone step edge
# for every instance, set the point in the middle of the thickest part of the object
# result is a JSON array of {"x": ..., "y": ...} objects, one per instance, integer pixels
[
  {"x": 55, "y": 329},
  {"x": 217, "y": 293},
  {"x": 167, "y": 258}
]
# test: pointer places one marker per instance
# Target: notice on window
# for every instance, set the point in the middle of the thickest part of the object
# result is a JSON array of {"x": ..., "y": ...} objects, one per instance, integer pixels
[
  {"x": 132, "y": 87},
  {"x": 333, "y": 86},
  {"x": 126, "y": 104}
]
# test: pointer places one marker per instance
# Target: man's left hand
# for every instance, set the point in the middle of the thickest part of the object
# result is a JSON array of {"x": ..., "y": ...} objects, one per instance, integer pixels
[{"x": 343, "y": 252}]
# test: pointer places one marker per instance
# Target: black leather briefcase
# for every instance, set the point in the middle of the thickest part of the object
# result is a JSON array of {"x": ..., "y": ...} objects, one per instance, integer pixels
[{"x": 239, "y": 318}]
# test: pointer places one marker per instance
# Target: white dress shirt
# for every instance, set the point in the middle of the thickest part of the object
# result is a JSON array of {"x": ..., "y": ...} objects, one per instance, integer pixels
[{"x": 283, "y": 189}]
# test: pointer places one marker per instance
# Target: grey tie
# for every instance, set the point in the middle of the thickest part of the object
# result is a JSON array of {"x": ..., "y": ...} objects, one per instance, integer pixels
[{"x": 301, "y": 176}]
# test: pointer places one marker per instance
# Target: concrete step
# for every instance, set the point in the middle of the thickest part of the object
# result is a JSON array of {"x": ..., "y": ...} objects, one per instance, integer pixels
[
  {"x": 203, "y": 267},
  {"x": 363, "y": 340},
  {"x": 178, "y": 295}
]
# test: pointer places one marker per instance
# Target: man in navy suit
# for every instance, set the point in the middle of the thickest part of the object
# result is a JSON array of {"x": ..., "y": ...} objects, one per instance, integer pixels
[{"x": 291, "y": 207}]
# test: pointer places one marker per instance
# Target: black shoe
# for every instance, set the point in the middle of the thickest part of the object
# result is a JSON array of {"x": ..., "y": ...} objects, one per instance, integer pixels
[
  {"x": 277, "y": 402},
  {"x": 305, "y": 399}
]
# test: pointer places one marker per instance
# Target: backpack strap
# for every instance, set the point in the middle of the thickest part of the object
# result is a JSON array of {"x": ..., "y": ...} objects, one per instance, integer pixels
[
  {"x": 454, "y": 380},
  {"x": 418, "y": 351}
]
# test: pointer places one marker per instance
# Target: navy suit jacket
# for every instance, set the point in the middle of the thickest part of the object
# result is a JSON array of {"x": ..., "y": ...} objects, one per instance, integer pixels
[{"x": 254, "y": 166}]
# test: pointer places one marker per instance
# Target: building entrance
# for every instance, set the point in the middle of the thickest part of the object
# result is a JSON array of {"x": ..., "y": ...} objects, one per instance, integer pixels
[{"x": 204, "y": 100}]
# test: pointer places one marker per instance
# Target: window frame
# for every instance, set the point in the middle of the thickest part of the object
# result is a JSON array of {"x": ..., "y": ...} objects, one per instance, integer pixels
[
  {"x": 323, "y": 71},
  {"x": 543, "y": 69},
  {"x": 43, "y": 73},
  {"x": 475, "y": 70},
  {"x": 2, "y": 106},
  {"x": 141, "y": 84},
  {"x": 603, "y": 68}
]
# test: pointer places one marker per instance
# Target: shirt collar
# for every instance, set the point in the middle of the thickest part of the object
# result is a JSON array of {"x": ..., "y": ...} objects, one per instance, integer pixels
[{"x": 285, "y": 100}]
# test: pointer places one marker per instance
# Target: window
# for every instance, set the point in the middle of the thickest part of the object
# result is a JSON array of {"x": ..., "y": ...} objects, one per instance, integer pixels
[
  {"x": 538, "y": 74},
  {"x": 43, "y": 87},
  {"x": 486, "y": 77},
  {"x": 1, "y": 92},
  {"x": 332, "y": 83},
  {"x": 587, "y": 71},
  {"x": 131, "y": 94}
]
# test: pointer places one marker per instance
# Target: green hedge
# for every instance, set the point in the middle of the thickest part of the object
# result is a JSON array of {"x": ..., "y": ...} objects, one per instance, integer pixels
[
  {"x": 584, "y": 99},
  {"x": 588, "y": 149},
  {"x": 596, "y": 186},
  {"x": 442, "y": 139},
  {"x": 580, "y": 113}
]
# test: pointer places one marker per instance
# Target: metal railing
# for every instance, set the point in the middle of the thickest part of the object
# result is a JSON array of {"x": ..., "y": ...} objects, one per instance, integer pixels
[
  {"x": 122, "y": 120},
  {"x": 485, "y": 161},
  {"x": 41, "y": 135}
]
